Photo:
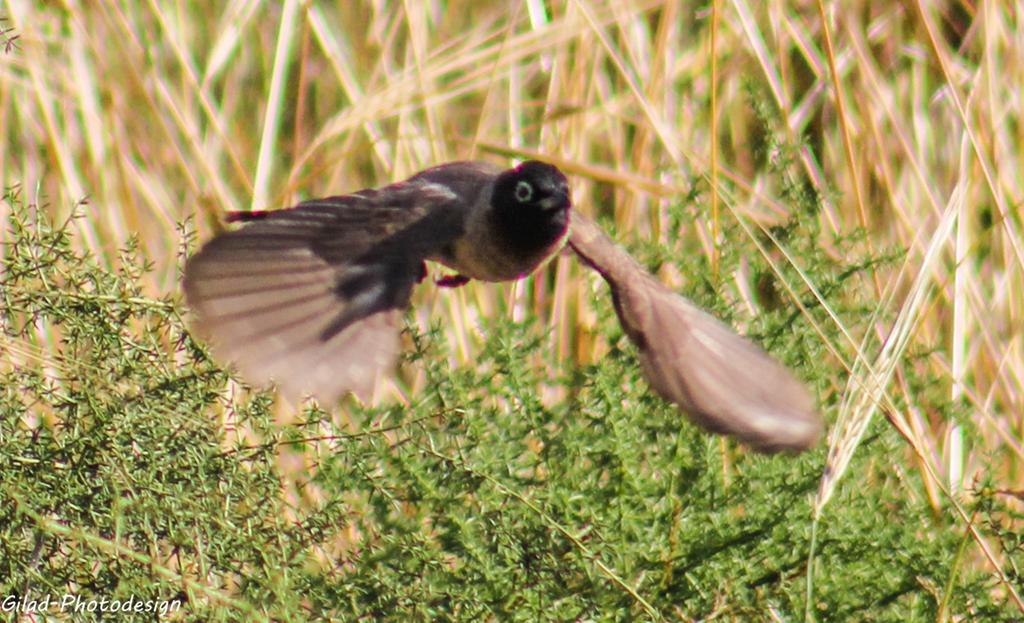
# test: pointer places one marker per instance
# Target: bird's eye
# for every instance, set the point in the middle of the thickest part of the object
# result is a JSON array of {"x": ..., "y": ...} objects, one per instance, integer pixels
[{"x": 524, "y": 191}]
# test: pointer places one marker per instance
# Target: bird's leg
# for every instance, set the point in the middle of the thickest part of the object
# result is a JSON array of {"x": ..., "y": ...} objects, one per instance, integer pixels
[{"x": 452, "y": 281}]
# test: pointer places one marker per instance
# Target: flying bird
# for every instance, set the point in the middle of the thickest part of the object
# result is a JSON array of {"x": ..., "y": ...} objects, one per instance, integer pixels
[{"x": 312, "y": 296}]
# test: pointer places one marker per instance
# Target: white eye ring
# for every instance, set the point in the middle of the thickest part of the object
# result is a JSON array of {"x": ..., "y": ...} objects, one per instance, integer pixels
[{"x": 524, "y": 191}]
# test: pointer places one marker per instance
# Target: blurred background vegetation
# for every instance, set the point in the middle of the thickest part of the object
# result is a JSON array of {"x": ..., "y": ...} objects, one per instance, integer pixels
[{"x": 841, "y": 181}]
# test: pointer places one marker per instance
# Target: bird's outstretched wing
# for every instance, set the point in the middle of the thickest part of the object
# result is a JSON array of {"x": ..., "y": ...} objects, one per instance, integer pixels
[
  {"x": 724, "y": 382},
  {"x": 311, "y": 297}
]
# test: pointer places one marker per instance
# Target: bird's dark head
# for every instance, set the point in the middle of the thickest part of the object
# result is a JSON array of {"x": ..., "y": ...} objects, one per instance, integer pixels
[{"x": 531, "y": 205}]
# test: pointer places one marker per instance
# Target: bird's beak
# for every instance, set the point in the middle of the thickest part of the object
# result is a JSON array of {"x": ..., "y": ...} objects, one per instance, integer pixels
[{"x": 555, "y": 201}]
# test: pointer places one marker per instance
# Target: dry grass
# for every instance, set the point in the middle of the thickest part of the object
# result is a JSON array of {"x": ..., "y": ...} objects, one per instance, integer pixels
[{"x": 908, "y": 118}]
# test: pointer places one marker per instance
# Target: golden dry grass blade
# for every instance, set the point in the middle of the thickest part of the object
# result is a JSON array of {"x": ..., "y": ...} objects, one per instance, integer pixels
[{"x": 275, "y": 100}]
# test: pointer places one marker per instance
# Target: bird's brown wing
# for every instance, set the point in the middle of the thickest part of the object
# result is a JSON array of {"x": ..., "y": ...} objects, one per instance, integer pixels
[
  {"x": 312, "y": 297},
  {"x": 724, "y": 382}
]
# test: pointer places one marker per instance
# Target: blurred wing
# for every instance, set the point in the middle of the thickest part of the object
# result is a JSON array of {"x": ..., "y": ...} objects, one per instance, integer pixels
[
  {"x": 726, "y": 383},
  {"x": 312, "y": 297}
]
